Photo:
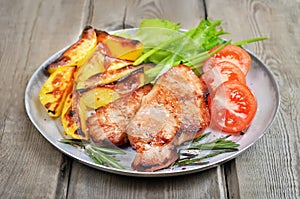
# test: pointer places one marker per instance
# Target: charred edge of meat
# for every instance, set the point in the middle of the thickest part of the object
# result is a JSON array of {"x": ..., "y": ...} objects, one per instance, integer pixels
[
  {"x": 107, "y": 143},
  {"x": 140, "y": 165}
]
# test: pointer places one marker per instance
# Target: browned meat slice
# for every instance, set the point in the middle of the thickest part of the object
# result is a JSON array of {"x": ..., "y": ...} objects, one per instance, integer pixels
[
  {"x": 173, "y": 112},
  {"x": 190, "y": 92},
  {"x": 109, "y": 123}
]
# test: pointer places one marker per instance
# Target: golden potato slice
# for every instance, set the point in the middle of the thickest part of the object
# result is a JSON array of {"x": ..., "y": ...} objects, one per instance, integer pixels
[
  {"x": 94, "y": 65},
  {"x": 100, "y": 96},
  {"x": 55, "y": 90},
  {"x": 130, "y": 82},
  {"x": 115, "y": 63},
  {"x": 108, "y": 77},
  {"x": 78, "y": 53},
  {"x": 119, "y": 47},
  {"x": 74, "y": 116},
  {"x": 103, "y": 95}
]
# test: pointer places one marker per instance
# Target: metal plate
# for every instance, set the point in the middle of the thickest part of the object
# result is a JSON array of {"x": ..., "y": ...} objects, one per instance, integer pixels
[{"x": 259, "y": 79}]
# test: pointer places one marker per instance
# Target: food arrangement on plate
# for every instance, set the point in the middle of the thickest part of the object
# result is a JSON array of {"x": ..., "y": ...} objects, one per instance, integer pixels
[{"x": 157, "y": 91}]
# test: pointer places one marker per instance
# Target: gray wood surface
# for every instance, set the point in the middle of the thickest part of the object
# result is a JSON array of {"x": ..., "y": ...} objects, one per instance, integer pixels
[{"x": 32, "y": 30}]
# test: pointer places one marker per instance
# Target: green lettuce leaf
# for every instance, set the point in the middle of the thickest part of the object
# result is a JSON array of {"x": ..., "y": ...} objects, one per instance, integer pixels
[
  {"x": 152, "y": 32},
  {"x": 166, "y": 45},
  {"x": 159, "y": 23}
]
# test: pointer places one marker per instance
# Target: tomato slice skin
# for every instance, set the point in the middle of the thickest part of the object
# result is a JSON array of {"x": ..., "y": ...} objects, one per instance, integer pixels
[
  {"x": 230, "y": 53},
  {"x": 224, "y": 71},
  {"x": 233, "y": 107}
]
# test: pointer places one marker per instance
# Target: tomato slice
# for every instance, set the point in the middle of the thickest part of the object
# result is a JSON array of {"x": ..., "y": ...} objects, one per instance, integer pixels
[
  {"x": 224, "y": 71},
  {"x": 233, "y": 107},
  {"x": 231, "y": 53}
]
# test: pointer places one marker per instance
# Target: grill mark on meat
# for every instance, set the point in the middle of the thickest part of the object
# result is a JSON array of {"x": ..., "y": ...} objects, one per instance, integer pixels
[
  {"x": 173, "y": 112},
  {"x": 109, "y": 123}
]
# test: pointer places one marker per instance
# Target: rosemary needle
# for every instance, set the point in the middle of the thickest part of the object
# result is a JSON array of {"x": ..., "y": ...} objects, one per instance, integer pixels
[
  {"x": 99, "y": 155},
  {"x": 217, "y": 146}
]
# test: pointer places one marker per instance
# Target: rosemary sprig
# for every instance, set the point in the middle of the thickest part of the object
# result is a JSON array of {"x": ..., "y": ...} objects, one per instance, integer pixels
[
  {"x": 190, "y": 155},
  {"x": 205, "y": 135},
  {"x": 218, "y": 144},
  {"x": 99, "y": 155},
  {"x": 198, "y": 161}
]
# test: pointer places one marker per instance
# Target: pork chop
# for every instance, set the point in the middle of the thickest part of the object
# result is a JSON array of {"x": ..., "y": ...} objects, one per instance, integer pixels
[
  {"x": 173, "y": 112},
  {"x": 109, "y": 123}
]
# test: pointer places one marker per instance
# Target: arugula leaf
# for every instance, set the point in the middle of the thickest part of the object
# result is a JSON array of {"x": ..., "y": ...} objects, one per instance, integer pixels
[
  {"x": 206, "y": 35},
  {"x": 159, "y": 23},
  {"x": 167, "y": 46},
  {"x": 151, "y": 32}
]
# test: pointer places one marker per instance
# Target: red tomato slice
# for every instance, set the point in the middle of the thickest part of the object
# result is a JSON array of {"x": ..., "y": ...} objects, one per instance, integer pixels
[
  {"x": 230, "y": 53},
  {"x": 224, "y": 71},
  {"x": 233, "y": 107}
]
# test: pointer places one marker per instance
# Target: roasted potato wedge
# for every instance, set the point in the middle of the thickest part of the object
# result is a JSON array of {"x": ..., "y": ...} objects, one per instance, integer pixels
[
  {"x": 95, "y": 98},
  {"x": 100, "y": 96},
  {"x": 74, "y": 116},
  {"x": 130, "y": 82},
  {"x": 55, "y": 90},
  {"x": 119, "y": 47},
  {"x": 111, "y": 63},
  {"x": 97, "y": 64},
  {"x": 78, "y": 53},
  {"x": 107, "y": 77},
  {"x": 93, "y": 66}
]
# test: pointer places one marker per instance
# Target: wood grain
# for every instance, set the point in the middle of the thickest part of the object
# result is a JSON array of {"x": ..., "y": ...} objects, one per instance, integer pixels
[
  {"x": 187, "y": 14},
  {"x": 30, "y": 167},
  {"x": 118, "y": 14},
  {"x": 107, "y": 15},
  {"x": 86, "y": 182},
  {"x": 270, "y": 169}
]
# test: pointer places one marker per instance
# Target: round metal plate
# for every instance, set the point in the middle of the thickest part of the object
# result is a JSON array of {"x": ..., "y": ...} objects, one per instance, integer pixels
[{"x": 259, "y": 79}]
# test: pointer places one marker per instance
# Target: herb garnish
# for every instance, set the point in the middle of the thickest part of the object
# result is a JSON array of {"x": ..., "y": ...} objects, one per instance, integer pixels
[{"x": 100, "y": 155}]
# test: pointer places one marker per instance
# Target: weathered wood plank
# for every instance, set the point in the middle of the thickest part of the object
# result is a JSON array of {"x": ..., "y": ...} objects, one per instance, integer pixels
[
  {"x": 107, "y": 15},
  {"x": 116, "y": 14},
  {"x": 86, "y": 182},
  {"x": 269, "y": 169},
  {"x": 32, "y": 30},
  {"x": 188, "y": 14}
]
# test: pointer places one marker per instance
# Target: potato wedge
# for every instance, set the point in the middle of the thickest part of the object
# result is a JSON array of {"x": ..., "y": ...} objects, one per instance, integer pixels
[
  {"x": 97, "y": 64},
  {"x": 55, "y": 90},
  {"x": 107, "y": 77},
  {"x": 115, "y": 63},
  {"x": 78, "y": 53},
  {"x": 74, "y": 116},
  {"x": 130, "y": 82},
  {"x": 94, "y": 65},
  {"x": 119, "y": 47},
  {"x": 100, "y": 96}
]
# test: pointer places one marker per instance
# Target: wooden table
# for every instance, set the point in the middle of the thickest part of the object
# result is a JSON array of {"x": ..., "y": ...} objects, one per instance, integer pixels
[{"x": 31, "y": 167}]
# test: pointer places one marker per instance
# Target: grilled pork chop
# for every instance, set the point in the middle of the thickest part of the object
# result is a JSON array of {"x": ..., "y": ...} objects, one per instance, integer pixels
[
  {"x": 109, "y": 123},
  {"x": 173, "y": 112}
]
